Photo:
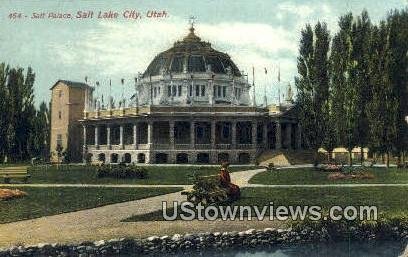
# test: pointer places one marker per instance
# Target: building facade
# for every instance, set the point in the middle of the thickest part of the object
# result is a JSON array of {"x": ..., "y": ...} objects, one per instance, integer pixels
[
  {"x": 67, "y": 105},
  {"x": 191, "y": 105}
]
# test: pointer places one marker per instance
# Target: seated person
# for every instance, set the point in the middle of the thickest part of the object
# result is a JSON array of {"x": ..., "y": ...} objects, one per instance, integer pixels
[{"x": 233, "y": 190}]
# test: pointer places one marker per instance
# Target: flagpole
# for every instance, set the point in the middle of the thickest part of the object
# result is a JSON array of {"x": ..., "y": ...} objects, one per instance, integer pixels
[
  {"x": 151, "y": 90},
  {"x": 265, "y": 97},
  {"x": 86, "y": 95},
  {"x": 279, "y": 86},
  {"x": 253, "y": 86}
]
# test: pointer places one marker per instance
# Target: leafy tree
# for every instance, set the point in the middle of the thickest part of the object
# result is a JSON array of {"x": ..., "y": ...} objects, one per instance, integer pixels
[
  {"x": 344, "y": 91},
  {"x": 313, "y": 84},
  {"x": 381, "y": 109},
  {"x": 24, "y": 131},
  {"x": 4, "y": 115},
  {"x": 361, "y": 37},
  {"x": 398, "y": 44}
]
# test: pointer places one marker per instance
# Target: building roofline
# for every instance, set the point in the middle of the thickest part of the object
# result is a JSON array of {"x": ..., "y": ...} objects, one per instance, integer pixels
[{"x": 71, "y": 84}]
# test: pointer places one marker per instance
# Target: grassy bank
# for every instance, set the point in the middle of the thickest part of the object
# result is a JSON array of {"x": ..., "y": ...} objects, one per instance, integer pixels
[
  {"x": 389, "y": 200},
  {"x": 310, "y": 176},
  {"x": 166, "y": 175},
  {"x": 49, "y": 201}
]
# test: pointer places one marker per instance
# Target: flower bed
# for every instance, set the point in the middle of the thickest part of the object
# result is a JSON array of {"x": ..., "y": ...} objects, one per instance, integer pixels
[
  {"x": 351, "y": 173},
  {"x": 8, "y": 194}
]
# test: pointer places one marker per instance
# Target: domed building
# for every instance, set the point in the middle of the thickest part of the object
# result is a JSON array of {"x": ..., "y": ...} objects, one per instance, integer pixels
[{"x": 191, "y": 105}]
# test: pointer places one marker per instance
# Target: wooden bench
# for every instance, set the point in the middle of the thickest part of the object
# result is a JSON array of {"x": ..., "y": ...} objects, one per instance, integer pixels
[{"x": 9, "y": 173}]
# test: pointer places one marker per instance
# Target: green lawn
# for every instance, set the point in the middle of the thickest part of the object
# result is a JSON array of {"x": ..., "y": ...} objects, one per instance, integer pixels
[
  {"x": 389, "y": 200},
  {"x": 310, "y": 176},
  {"x": 179, "y": 175},
  {"x": 49, "y": 201}
]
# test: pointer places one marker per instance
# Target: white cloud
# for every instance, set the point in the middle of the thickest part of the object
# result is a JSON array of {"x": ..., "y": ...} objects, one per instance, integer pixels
[{"x": 299, "y": 10}]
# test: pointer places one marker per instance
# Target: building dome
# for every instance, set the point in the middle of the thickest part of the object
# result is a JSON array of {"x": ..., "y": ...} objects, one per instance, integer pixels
[{"x": 191, "y": 55}]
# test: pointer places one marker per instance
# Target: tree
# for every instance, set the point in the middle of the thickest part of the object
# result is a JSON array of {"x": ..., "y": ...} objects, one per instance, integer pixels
[
  {"x": 361, "y": 51},
  {"x": 4, "y": 115},
  {"x": 398, "y": 44},
  {"x": 313, "y": 84},
  {"x": 343, "y": 90},
  {"x": 381, "y": 109},
  {"x": 24, "y": 131}
]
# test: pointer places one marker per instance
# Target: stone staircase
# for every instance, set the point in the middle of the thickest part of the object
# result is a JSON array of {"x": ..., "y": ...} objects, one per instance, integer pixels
[{"x": 285, "y": 157}]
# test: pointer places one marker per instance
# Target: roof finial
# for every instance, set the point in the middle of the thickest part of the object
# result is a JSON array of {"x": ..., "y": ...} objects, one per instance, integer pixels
[
  {"x": 191, "y": 37},
  {"x": 192, "y": 22}
]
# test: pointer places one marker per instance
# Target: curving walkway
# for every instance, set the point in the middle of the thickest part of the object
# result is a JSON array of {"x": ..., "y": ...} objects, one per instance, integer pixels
[{"x": 104, "y": 222}]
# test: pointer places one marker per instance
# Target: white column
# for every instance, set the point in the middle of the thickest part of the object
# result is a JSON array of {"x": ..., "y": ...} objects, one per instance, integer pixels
[
  {"x": 96, "y": 136},
  {"x": 150, "y": 133},
  {"x": 213, "y": 126},
  {"x": 288, "y": 136},
  {"x": 299, "y": 136},
  {"x": 265, "y": 134},
  {"x": 108, "y": 136},
  {"x": 234, "y": 134},
  {"x": 84, "y": 135},
  {"x": 135, "y": 139},
  {"x": 121, "y": 136},
  {"x": 278, "y": 137},
  {"x": 254, "y": 134},
  {"x": 192, "y": 134},
  {"x": 84, "y": 148},
  {"x": 171, "y": 133}
]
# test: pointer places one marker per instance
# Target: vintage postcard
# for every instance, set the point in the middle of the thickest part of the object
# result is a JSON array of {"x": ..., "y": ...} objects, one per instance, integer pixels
[{"x": 204, "y": 128}]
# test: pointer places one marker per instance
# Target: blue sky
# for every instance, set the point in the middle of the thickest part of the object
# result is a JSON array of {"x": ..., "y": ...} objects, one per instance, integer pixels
[{"x": 254, "y": 33}]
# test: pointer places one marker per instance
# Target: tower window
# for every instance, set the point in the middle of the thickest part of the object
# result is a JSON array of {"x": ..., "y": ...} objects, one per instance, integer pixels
[
  {"x": 179, "y": 90},
  {"x": 169, "y": 91},
  {"x": 60, "y": 93},
  {"x": 190, "y": 89},
  {"x": 202, "y": 90},
  {"x": 224, "y": 91},
  {"x": 59, "y": 139},
  {"x": 174, "y": 91},
  {"x": 59, "y": 114},
  {"x": 197, "y": 89}
]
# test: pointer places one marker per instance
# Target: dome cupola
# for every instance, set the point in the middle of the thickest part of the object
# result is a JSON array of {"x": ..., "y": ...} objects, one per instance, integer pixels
[{"x": 191, "y": 55}]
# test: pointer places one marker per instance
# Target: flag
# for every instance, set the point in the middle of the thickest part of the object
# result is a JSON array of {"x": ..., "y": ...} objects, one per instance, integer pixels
[
  {"x": 122, "y": 81},
  {"x": 86, "y": 79},
  {"x": 97, "y": 83},
  {"x": 266, "y": 71}
]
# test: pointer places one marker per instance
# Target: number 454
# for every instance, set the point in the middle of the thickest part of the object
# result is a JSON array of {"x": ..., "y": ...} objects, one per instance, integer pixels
[{"x": 14, "y": 15}]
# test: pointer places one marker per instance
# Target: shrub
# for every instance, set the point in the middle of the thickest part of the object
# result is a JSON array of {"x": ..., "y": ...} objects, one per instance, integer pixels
[
  {"x": 122, "y": 171},
  {"x": 207, "y": 191},
  {"x": 8, "y": 194}
]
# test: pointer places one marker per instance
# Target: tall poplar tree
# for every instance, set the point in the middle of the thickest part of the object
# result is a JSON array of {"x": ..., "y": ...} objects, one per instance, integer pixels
[
  {"x": 398, "y": 43},
  {"x": 361, "y": 37},
  {"x": 343, "y": 90},
  {"x": 312, "y": 84}
]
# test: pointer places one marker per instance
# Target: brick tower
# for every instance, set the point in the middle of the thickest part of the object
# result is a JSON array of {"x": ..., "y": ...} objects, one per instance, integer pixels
[{"x": 67, "y": 107}]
